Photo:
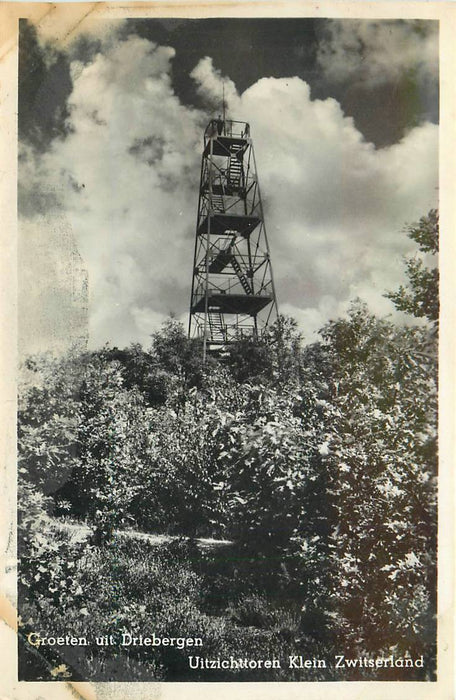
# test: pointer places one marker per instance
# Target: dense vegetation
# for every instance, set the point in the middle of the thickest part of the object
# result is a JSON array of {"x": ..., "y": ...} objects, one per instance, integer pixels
[{"x": 317, "y": 462}]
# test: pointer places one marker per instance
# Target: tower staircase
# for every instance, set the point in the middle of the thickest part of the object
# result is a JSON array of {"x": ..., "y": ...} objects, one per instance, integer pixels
[
  {"x": 235, "y": 169},
  {"x": 247, "y": 287},
  {"x": 217, "y": 202},
  {"x": 216, "y": 326}
]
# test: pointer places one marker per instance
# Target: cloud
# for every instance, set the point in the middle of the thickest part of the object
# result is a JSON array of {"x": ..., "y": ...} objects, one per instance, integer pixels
[
  {"x": 379, "y": 51},
  {"x": 211, "y": 85},
  {"x": 335, "y": 206},
  {"x": 127, "y": 175}
]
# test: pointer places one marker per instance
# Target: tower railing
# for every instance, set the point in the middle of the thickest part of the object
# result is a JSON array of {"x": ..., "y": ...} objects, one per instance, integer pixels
[{"x": 230, "y": 128}]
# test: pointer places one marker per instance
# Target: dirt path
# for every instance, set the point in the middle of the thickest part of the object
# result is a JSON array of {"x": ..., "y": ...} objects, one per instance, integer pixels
[{"x": 80, "y": 532}]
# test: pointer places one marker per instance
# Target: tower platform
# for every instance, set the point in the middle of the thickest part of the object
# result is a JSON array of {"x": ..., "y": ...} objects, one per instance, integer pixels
[
  {"x": 249, "y": 304},
  {"x": 222, "y": 223},
  {"x": 225, "y": 145}
]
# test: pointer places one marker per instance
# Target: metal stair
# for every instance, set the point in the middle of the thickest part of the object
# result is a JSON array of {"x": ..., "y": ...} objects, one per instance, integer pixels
[
  {"x": 217, "y": 202},
  {"x": 216, "y": 326},
  {"x": 234, "y": 175},
  {"x": 242, "y": 278}
]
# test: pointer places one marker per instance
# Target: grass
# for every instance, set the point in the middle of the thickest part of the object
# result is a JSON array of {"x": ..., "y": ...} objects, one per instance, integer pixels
[{"x": 176, "y": 589}]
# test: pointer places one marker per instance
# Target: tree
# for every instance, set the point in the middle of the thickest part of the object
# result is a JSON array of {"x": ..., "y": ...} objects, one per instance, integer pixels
[
  {"x": 421, "y": 296},
  {"x": 332, "y": 483},
  {"x": 248, "y": 359},
  {"x": 139, "y": 369},
  {"x": 174, "y": 352},
  {"x": 380, "y": 458},
  {"x": 284, "y": 342},
  {"x": 112, "y": 443},
  {"x": 48, "y": 421}
]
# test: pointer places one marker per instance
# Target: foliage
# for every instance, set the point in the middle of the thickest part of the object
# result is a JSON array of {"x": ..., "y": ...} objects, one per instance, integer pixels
[
  {"x": 249, "y": 359},
  {"x": 47, "y": 575},
  {"x": 169, "y": 368},
  {"x": 179, "y": 482},
  {"x": 112, "y": 438},
  {"x": 275, "y": 356},
  {"x": 48, "y": 420},
  {"x": 332, "y": 485},
  {"x": 318, "y": 461},
  {"x": 421, "y": 296},
  {"x": 138, "y": 369},
  {"x": 381, "y": 461},
  {"x": 148, "y": 589}
]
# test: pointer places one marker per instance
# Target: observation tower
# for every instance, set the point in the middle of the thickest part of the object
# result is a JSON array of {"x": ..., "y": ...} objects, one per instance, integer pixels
[{"x": 233, "y": 295}]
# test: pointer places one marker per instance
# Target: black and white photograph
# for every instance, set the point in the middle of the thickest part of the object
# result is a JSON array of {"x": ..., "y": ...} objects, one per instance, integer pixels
[{"x": 228, "y": 335}]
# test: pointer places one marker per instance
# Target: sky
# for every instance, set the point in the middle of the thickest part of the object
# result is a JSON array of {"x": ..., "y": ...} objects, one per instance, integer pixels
[{"x": 343, "y": 117}]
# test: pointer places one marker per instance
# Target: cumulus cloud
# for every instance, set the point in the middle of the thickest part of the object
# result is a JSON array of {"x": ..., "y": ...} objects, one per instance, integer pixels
[
  {"x": 212, "y": 85},
  {"x": 127, "y": 177},
  {"x": 379, "y": 51},
  {"x": 127, "y": 181},
  {"x": 335, "y": 206}
]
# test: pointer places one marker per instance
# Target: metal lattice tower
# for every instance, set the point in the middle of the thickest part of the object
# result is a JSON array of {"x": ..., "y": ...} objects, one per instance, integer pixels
[{"x": 233, "y": 294}]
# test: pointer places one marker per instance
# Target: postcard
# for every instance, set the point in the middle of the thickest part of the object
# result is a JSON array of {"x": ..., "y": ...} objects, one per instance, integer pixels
[{"x": 227, "y": 341}]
